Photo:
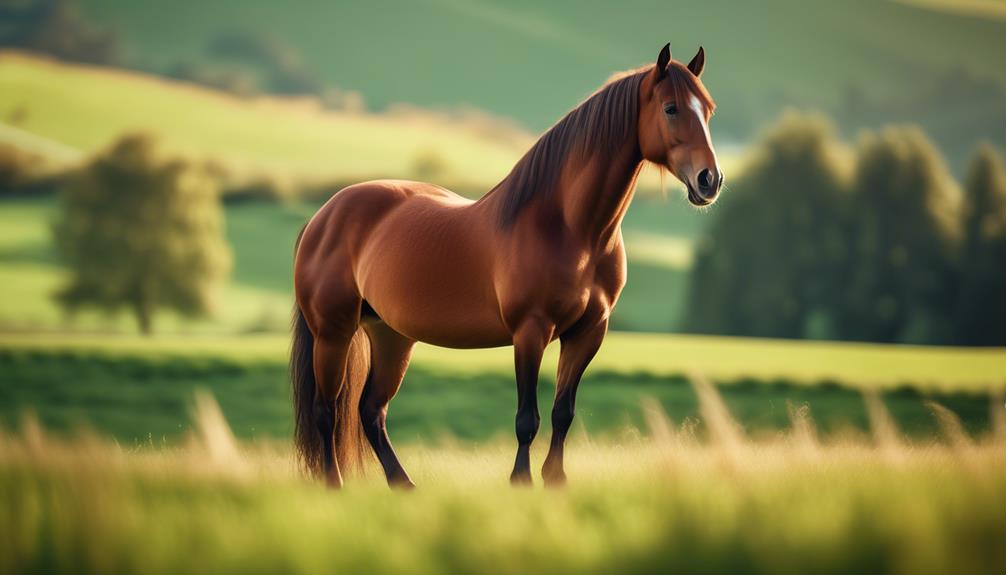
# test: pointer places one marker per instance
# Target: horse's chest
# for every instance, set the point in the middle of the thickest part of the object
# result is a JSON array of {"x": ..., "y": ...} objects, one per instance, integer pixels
[{"x": 561, "y": 286}]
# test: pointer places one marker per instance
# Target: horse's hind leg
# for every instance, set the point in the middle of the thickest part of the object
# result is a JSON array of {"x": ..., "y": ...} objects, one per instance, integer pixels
[
  {"x": 324, "y": 421},
  {"x": 336, "y": 322},
  {"x": 390, "y": 354},
  {"x": 331, "y": 354}
]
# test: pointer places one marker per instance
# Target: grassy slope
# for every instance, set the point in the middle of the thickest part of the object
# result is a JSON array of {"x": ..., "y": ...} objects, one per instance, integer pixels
[
  {"x": 500, "y": 56},
  {"x": 785, "y": 505},
  {"x": 86, "y": 108}
]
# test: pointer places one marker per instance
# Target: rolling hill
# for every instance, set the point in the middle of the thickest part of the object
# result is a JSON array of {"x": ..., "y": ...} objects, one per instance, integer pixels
[
  {"x": 530, "y": 60},
  {"x": 67, "y": 108}
]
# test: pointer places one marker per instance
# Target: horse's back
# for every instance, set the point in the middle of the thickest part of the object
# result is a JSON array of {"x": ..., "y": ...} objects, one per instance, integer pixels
[{"x": 420, "y": 255}]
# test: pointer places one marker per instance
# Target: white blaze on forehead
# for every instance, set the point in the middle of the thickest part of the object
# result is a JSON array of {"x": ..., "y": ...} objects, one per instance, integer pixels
[{"x": 700, "y": 112}]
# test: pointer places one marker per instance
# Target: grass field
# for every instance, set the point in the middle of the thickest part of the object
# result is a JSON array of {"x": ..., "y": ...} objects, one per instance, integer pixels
[
  {"x": 789, "y": 504},
  {"x": 140, "y": 391},
  {"x": 172, "y": 453}
]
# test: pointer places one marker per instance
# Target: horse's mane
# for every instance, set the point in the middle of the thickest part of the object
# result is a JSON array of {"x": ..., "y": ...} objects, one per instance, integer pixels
[{"x": 602, "y": 122}]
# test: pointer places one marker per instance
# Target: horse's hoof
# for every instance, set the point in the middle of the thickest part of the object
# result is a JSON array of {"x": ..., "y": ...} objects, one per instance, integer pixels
[
  {"x": 555, "y": 481},
  {"x": 406, "y": 485},
  {"x": 521, "y": 480}
]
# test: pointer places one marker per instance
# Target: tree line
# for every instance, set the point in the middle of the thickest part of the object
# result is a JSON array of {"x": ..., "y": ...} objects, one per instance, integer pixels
[{"x": 876, "y": 243}]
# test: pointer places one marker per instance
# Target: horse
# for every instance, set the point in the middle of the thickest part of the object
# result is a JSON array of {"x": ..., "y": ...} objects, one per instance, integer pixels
[{"x": 384, "y": 264}]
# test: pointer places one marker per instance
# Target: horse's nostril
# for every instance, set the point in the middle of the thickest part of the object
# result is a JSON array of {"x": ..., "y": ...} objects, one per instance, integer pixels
[{"x": 705, "y": 179}]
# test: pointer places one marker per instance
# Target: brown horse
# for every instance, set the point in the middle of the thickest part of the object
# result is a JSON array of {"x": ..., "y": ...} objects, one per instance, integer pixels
[{"x": 385, "y": 264}]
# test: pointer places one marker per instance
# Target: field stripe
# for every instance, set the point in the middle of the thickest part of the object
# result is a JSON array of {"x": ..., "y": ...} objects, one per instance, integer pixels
[{"x": 722, "y": 358}]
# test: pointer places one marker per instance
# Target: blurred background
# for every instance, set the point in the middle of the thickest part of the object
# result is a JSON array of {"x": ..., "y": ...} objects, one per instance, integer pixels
[{"x": 866, "y": 198}]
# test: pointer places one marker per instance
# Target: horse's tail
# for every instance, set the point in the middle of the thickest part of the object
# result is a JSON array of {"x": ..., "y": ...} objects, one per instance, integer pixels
[
  {"x": 350, "y": 441},
  {"x": 306, "y": 437}
]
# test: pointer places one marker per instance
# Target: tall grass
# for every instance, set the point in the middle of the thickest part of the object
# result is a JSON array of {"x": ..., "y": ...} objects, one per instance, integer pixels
[{"x": 690, "y": 496}]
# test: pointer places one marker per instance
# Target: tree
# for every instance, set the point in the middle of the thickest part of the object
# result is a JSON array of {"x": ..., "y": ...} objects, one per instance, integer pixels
[
  {"x": 772, "y": 261},
  {"x": 980, "y": 317},
  {"x": 140, "y": 232},
  {"x": 906, "y": 211}
]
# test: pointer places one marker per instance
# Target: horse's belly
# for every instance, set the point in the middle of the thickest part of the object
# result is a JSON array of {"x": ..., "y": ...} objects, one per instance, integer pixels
[
  {"x": 433, "y": 313},
  {"x": 457, "y": 334},
  {"x": 433, "y": 291}
]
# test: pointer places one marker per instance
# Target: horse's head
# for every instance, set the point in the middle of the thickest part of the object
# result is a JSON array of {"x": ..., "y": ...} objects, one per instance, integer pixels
[{"x": 674, "y": 125}]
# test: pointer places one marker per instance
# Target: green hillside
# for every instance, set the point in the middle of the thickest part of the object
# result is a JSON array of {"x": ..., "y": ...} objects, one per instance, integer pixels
[
  {"x": 84, "y": 108},
  {"x": 530, "y": 60}
]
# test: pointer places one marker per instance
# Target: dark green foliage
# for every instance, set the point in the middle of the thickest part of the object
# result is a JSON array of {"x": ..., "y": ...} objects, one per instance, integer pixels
[
  {"x": 281, "y": 65},
  {"x": 246, "y": 63},
  {"x": 797, "y": 250},
  {"x": 981, "y": 302},
  {"x": 56, "y": 28},
  {"x": 905, "y": 209},
  {"x": 141, "y": 233},
  {"x": 775, "y": 253}
]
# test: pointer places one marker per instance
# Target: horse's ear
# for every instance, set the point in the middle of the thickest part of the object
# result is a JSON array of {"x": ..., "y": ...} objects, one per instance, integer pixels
[
  {"x": 663, "y": 59},
  {"x": 698, "y": 62}
]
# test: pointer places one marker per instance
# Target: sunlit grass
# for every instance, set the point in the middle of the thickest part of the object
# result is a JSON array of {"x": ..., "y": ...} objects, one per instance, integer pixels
[
  {"x": 86, "y": 108},
  {"x": 857, "y": 365},
  {"x": 660, "y": 500}
]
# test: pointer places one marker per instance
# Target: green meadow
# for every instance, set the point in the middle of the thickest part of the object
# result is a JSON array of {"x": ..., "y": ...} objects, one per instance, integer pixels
[
  {"x": 788, "y": 503},
  {"x": 141, "y": 391}
]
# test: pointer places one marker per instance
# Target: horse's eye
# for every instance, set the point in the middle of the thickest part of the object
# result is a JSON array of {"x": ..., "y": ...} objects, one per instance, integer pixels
[{"x": 671, "y": 109}]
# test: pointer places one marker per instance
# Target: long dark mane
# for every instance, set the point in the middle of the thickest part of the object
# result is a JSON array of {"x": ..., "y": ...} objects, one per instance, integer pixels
[
  {"x": 605, "y": 119},
  {"x": 601, "y": 123}
]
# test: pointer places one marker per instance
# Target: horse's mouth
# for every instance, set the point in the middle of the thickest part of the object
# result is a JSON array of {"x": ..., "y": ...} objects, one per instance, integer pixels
[{"x": 695, "y": 199}]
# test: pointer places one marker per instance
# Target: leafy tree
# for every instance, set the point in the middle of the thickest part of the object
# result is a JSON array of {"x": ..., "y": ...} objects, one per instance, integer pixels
[
  {"x": 981, "y": 305},
  {"x": 772, "y": 261},
  {"x": 905, "y": 208},
  {"x": 140, "y": 232}
]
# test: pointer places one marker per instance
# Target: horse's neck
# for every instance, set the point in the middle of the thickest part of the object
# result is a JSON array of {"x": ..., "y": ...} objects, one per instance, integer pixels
[{"x": 594, "y": 193}]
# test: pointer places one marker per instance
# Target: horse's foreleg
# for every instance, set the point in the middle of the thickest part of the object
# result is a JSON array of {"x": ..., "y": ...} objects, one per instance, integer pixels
[
  {"x": 529, "y": 345},
  {"x": 579, "y": 345},
  {"x": 390, "y": 354}
]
